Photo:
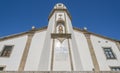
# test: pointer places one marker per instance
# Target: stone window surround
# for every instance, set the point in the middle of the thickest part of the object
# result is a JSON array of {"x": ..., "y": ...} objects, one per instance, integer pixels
[
  {"x": 3, "y": 50},
  {"x": 3, "y": 67},
  {"x": 114, "y": 67},
  {"x": 112, "y": 53}
]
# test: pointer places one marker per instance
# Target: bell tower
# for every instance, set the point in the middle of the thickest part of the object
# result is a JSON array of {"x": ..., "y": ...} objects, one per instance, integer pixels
[{"x": 60, "y": 51}]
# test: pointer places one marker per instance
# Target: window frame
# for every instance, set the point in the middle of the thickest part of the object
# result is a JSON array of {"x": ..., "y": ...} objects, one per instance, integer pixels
[
  {"x": 3, "y": 51},
  {"x": 3, "y": 67},
  {"x": 111, "y": 50},
  {"x": 114, "y": 67}
]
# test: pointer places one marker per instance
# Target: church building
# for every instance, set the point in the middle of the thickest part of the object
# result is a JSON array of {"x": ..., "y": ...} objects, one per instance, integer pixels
[{"x": 59, "y": 47}]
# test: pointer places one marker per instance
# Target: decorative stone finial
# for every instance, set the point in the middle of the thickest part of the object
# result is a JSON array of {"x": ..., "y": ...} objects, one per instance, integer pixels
[
  {"x": 85, "y": 28},
  {"x": 33, "y": 27},
  {"x": 60, "y": 6}
]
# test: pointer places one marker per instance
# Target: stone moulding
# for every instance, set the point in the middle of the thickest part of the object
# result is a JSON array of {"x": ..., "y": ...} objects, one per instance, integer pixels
[
  {"x": 60, "y": 35},
  {"x": 59, "y": 71}
]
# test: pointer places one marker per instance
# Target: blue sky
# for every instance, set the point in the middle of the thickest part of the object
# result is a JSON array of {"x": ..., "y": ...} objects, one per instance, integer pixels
[{"x": 99, "y": 16}]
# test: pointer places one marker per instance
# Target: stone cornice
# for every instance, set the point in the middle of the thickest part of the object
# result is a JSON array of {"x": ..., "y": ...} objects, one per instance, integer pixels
[
  {"x": 22, "y": 34},
  {"x": 59, "y": 71},
  {"x": 66, "y": 35},
  {"x": 45, "y": 28},
  {"x": 88, "y": 32}
]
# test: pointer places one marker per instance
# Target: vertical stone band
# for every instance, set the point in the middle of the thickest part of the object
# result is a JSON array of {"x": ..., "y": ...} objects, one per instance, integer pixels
[
  {"x": 26, "y": 50},
  {"x": 118, "y": 45},
  {"x": 52, "y": 57},
  {"x": 71, "y": 62},
  {"x": 93, "y": 56}
]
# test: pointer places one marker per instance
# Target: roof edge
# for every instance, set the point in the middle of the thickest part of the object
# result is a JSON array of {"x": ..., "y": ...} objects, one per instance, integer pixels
[
  {"x": 105, "y": 37},
  {"x": 21, "y": 34},
  {"x": 45, "y": 27}
]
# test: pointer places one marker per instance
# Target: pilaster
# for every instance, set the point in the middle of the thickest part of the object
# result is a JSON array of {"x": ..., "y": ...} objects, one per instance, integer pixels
[
  {"x": 26, "y": 50},
  {"x": 93, "y": 56}
]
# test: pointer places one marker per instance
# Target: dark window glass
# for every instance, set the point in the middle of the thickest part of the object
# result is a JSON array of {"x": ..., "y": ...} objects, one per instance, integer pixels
[
  {"x": 6, "y": 51},
  {"x": 1, "y": 68},
  {"x": 115, "y": 68},
  {"x": 109, "y": 54}
]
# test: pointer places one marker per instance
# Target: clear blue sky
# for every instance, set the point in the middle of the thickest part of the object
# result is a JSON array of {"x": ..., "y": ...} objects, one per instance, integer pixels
[{"x": 99, "y": 16}]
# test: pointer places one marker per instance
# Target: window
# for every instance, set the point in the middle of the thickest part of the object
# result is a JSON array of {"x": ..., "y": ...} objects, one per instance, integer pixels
[
  {"x": 109, "y": 54},
  {"x": 1, "y": 68},
  {"x": 115, "y": 68},
  {"x": 6, "y": 51}
]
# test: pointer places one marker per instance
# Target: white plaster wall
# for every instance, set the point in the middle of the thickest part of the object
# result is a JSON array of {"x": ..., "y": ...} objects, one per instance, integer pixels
[
  {"x": 12, "y": 63},
  {"x": 104, "y": 63},
  {"x": 61, "y": 56},
  {"x": 75, "y": 54},
  {"x": 84, "y": 52},
  {"x": 33, "y": 59},
  {"x": 45, "y": 59}
]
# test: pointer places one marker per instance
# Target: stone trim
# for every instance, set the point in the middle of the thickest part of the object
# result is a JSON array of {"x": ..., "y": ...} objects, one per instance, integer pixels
[
  {"x": 21, "y": 34},
  {"x": 118, "y": 45},
  {"x": 59, "y": 72},
  {"x": 13, "y": 36},
  {"x": 39, "y": 29},
  {"x": 93, "y": 56},
  {"x": 55, "y": 35},
  {"x": 4, "y": 66},
  {"x": 65, "y": 23},
  {"x": 26, "y": 51},
  {"x": 4, "y": 48},
  {"x": 52, "y": 12},
  {"x": 85, "y": 31},
  {"x": 71, "y": 61},
  {"x": 115, "y": 58},
  {"x": 52, "y": 58}
]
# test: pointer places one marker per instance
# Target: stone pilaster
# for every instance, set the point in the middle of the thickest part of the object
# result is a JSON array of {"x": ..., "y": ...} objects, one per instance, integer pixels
[
  {"x": 26, "y": 50},
  {"x": 93, "y": 56},
  {"x": 118, "y": 45}
]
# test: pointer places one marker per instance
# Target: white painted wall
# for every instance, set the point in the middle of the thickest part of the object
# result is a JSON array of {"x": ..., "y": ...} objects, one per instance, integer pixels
[
  {"x": 45, "y": 59},
  {"x": 33, "y": 59},
  {"x": 104, "y": 63},
  {"x": 12, "y": 62},
  {"x": 84, "y": 52},
  {"x": 61, "y": 56},
  {"x": 73, "y": 45}
]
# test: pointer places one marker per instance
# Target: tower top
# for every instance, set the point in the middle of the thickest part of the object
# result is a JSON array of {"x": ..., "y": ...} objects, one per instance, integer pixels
[{"x": 59, "y": 7}]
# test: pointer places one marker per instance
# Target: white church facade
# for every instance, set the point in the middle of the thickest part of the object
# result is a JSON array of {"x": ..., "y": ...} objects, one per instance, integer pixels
[{"x": 59, "y": 47}]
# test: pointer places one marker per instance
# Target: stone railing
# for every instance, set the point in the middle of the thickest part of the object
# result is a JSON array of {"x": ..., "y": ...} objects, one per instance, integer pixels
[{"x": 59, "y": 72}]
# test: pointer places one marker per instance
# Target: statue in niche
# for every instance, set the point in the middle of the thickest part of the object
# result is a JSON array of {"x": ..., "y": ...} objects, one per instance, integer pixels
[{"x": 60, "y": 29}]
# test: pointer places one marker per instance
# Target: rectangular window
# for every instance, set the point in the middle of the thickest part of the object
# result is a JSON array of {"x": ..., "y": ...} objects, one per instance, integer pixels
[
  {"x": 1, "y": 68},
  {"x": 115, "y": 68},
  {"x": 109, "y": 53},
  {"x": 6, "y": 51}
]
